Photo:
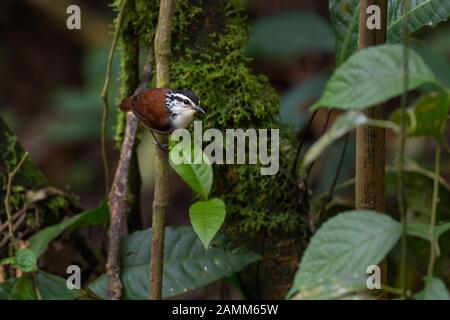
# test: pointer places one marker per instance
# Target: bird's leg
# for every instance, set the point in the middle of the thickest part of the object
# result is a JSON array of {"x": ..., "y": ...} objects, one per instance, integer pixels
[{"x": 164, "y": 147}]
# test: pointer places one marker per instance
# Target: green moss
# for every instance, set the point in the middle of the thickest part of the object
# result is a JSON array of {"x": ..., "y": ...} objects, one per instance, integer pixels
[
  {"x": 208, "y": 59},
  {"x": 28, "y": 178}
]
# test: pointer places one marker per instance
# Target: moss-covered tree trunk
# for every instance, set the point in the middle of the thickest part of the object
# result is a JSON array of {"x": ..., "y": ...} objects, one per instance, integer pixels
[
  {"x": 263, "y": 212},
  {"x": 129, "y": 77}
]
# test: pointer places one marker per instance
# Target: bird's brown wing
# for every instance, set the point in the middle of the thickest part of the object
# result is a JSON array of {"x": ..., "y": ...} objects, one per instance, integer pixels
[{"x": 150, "y": 108}]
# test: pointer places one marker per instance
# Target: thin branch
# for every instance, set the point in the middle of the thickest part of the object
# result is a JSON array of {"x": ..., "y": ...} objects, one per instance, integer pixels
[
  {"x": 402, "y": 205},
  {"x": 161, "y": 198},
  {"x": 118, "y": 195},
  {"x": 325, "y": 126},
  {"x": 433, "y": 242},
  {"x": 104, "y": 96},
  {"x": 117, "y": 208},
  {"x": 301, "y": 143},
  {"x": 8, "y": 195}
]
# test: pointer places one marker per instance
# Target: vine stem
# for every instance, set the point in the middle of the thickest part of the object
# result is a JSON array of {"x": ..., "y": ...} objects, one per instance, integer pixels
[
  {"x": 104, "y": 96},
  {"x": 161, "y": 198},
  {"x": 433, "y": 242},
  {"x": 401, "y": 197},
  {"x": 11, "y": 176}
]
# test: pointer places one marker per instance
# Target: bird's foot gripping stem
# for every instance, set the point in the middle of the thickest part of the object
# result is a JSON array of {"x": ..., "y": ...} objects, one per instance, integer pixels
[{"x": 163, "y": 146}]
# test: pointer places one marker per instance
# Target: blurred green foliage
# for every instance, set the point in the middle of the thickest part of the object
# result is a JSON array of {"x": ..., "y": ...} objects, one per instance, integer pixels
[{"x": 79, "y": 109}]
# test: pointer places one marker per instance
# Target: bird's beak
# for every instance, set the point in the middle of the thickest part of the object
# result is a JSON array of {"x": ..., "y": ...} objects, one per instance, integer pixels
[{"x": 199, "y": 109}]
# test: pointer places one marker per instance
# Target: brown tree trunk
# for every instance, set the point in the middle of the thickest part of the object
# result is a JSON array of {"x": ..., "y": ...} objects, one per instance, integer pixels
[{"x": 370, "y": 141}]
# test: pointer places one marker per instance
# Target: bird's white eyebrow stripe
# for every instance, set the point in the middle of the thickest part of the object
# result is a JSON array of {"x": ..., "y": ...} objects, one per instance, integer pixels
[{"x": 182, "y": 96}]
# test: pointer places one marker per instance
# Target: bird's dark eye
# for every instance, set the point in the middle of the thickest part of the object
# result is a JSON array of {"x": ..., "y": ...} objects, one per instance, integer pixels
[{"x": 186, "y": 102}]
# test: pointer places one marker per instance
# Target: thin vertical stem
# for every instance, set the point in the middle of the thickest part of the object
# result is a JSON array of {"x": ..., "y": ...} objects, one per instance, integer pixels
[
  {"x": 11, "y": 176},
  {"x": 161, "y": 198},
  {"x": 435, "y": 201},
  {"x": 104, "y": 96},
  {"x": 402, "y": 205}
]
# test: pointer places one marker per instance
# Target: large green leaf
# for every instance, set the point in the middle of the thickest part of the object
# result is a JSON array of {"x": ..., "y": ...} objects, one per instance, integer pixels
[
  {"x": 427, "y": 118},
  {"x": 345, "y": 246},
  {"x": 422, "y": 13},
  {"x": 345, "y": 16},
  {"x": 24, "y": 289},
  {"x": 344, "y": 19},
  {"x": 372, "y": 76},
  {"x": 290, "y": 34},
  {"x": 194, "y": 168},
  {"x": 6, "y": 289},
  {"x": 39, "y": 241},
  {"x": 345, "y": 123},
  {"x": 206, "y": 218},
  {"x": 52, "y": 287},
  {"x": 187, "y": 265},
  {"x": 434, "y": 290}
]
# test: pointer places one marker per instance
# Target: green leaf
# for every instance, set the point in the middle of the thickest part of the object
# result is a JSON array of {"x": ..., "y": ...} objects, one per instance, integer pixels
[
  {"x": 344, "y": 19},
  {"x": 435, "y": 60},
  {"x": 344, "y": 246},
  {"x": 345, "y": 123},
  {"x": 422, "y": 13},
  {"x": 372, "y": 76},
  {"x": 206, "y": 218},
  {"x": 419, "y": 191},
  {"x": 422, "y": 230},
  {"x": 52, "y": 287},
  {"x": 345, "y": 16},
  {"x": 198, "y": 176},
  {"x": 186, "y": 263},
  {"x": 434, "y": 290},
  {"x": 6, "y": 289},
  {"x": 332, "y": 289},
  {"x": 24, "y": 288},
  {"x": 301, "y": 32},
  {"x": 26, "y": 260},
  {"x": 300, "y": 96},
  {"x": 39, "y": 241},
  {"x": 427, "y": 118}
]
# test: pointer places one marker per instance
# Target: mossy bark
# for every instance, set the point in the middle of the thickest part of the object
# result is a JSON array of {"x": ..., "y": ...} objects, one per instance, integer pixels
[
  {"x": 28, "y": 179},
  {"x": 207, "y": 57},
  {"x": 129, "y": 77}
]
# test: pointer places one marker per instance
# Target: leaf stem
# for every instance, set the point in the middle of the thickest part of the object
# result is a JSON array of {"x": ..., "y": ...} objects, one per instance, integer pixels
[
  {"x": 104, "y": 96},
  {"x": 433, "y": 242},
  {"x": 401, "y": 197},
  {"x": 11, "y": 175}
]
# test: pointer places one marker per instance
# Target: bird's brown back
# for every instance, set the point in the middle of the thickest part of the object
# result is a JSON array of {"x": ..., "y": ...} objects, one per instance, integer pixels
[{"x": 149, "y": 107}]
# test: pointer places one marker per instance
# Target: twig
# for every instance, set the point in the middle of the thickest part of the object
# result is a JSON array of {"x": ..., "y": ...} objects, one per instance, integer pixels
[
  {"x": 117, "y": 208},
  {"x": 402, "y": 205},
  {"x": 104, "y": 96},
  {"x": 161, "y": 198},
  {"x": 325, "y": 126},
  {"x": 301, "y": 143},
  {"x": 118, "y": 195},
  {"x": 433, "y": 244},
  {"x": 6, "y": 201}
]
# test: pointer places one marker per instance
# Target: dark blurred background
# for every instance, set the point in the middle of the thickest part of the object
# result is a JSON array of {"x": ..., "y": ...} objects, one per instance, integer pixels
[{"x": 51, "y": 78}]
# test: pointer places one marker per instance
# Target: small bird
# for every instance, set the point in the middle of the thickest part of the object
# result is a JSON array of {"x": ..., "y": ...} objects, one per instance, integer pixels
[{"x": 163, "y": 110}]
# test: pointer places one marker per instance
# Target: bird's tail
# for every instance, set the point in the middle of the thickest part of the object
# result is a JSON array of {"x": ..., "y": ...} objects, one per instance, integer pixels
[{"x": 126, "y": 104}]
